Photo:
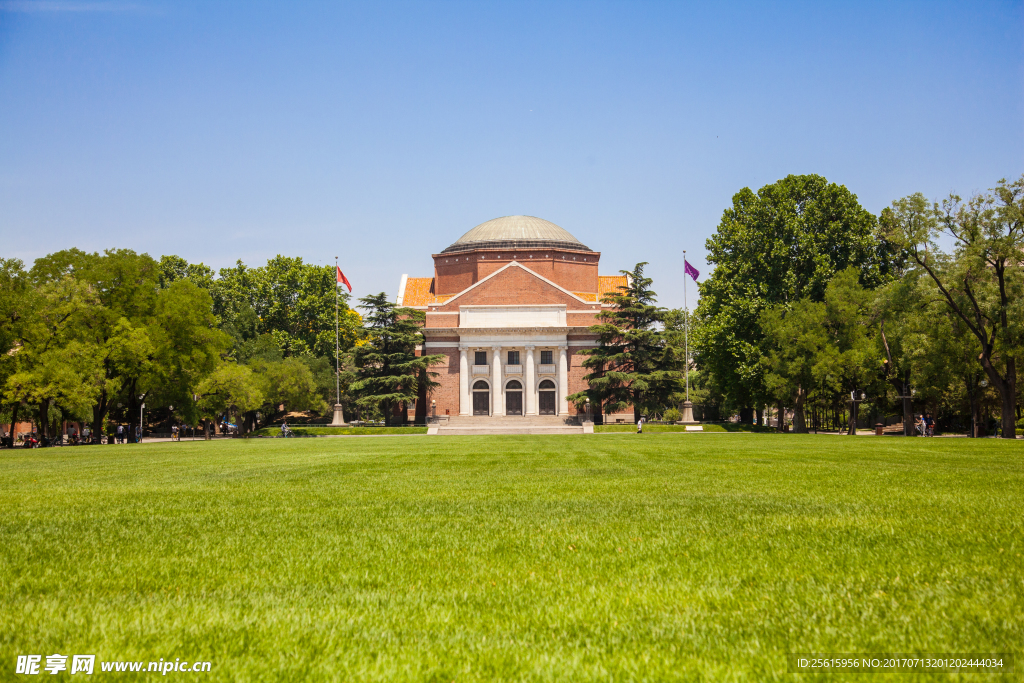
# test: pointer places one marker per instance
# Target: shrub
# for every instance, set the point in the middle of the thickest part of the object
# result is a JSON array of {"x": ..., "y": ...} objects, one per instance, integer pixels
[{"x": 671, "y": 415}]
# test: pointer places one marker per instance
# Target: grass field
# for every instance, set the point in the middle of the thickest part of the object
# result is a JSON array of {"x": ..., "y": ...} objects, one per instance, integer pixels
[
  {"x": 706, "y": 427},
  {"x": 341, "y": 431},
  {"x": 614, "y": 557}
]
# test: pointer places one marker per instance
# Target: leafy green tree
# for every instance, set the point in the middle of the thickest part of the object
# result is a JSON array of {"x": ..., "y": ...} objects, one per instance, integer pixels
[
  {"x": 15, "y": 297},
  {"x": 633, "y": 364},
  {"x": 774, "y": 248},
  {"x": 230, "y": 389},
  {"x": 153, "y": 343},
  {"x": 174, "y": 269},
  {"x": 850, "y": 361},
  {"x": 981, "y": 281},
  {"x": 125, "y": 286},
  {"x": 900, "y": 308},
  {"x": 822, "y": 349},
  {"x": 286, "y": 298},
  {"x": 53, "y": 365},
  {"x": 388, "y": 371},
  {"x": 795, "y": 339},
  {"x": 187, "y": 347}
]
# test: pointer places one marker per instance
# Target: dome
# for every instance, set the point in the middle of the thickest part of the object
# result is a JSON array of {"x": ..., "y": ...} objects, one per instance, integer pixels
[{"x": 516, "y": 232}]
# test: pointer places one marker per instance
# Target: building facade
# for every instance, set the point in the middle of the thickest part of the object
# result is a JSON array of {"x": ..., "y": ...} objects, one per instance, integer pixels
[{"x": 510, "y": 306}]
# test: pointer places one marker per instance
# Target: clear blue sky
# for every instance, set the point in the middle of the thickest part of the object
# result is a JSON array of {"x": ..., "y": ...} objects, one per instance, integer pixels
[{"x": 380, "y": 132}]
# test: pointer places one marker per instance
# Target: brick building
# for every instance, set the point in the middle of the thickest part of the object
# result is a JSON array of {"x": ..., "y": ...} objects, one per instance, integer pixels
[{"x": 510, "y": 304}]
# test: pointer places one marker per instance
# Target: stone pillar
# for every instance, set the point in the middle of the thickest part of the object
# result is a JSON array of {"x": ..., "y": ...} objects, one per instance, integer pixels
[
  {"x": 497, "y": 404},
  {"x": 530, "y": 389},
  {"x": 563, "y": 380},
  {"x": 339, "y": 416},
  {"x": 465, "y": 382}
]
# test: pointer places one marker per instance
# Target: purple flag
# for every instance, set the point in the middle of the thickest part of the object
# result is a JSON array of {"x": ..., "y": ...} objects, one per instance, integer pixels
[{"x": 690, "y": 270}]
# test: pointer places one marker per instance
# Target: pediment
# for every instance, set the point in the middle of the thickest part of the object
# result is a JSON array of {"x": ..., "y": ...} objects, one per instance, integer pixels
[{"x": 513, "y": 285}]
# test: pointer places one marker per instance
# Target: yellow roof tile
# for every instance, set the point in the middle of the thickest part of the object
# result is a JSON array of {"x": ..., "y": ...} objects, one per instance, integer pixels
[
  {"x": 609, "y": 284},
  {"x": 419, "y": 291}
]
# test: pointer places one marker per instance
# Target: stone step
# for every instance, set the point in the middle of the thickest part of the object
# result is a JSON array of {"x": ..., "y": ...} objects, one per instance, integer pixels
[
  {"x": 508, "y": 424},
  {"x": 511, "y": 421}
]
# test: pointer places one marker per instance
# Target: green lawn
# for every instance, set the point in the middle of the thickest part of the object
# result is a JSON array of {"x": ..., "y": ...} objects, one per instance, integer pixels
[
  {"x": 341, "y": 431},
  {"x": 706, "y": 427},
  {"x": 614, "y": 557}
]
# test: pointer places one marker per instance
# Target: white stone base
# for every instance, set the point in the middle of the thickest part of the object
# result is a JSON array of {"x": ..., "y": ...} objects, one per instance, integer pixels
[{"x": 339, "y": 417}]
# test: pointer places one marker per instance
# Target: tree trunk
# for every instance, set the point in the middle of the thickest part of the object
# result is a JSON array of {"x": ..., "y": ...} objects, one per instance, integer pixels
[
  {"x": 746, "y": 415},
  {"x": 799, "y": 420},
  {"x": 1007, "y": 389},
  {"x": 760, "y": 417},
  {"x": 1009, "y": 427},
  {"x": 14, "y": 419},
  {"x": 852, "y": 428},
  {"x": 44, "y": 418},
  {"x": 421, "y": 399},
  {"x": 99, "y": 411},
  {"x": 780, "y": 423}
]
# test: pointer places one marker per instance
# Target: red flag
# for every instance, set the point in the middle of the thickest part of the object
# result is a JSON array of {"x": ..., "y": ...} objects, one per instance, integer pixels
[{"x": 342, "y": 280}]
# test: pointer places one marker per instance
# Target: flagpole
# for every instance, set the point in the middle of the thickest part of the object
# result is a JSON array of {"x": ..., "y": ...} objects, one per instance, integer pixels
[
  {"x": 686, "y": 327},
  {"x": 337, "y": 365}
]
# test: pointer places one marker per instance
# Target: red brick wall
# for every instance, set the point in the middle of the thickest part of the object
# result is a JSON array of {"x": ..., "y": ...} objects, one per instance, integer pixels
[
  {"x": 446, "y": 395},
  {"x": 573, "y": 270},
  {"x": 515, "y": 286},
  {"x": 582, "y": 319}
]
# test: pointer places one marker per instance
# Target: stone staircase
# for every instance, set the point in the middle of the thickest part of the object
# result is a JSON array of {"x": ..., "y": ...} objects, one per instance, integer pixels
[{"x": 465, "y": 425}]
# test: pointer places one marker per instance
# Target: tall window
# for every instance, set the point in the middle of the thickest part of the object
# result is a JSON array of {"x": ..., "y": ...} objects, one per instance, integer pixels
[
  {"x": 513, "y": 358},
  {"x": 481, "y": 358},
  {"x": 545, "y": 358}
]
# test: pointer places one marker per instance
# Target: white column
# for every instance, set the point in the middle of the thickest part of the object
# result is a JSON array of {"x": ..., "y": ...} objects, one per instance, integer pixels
[
  {"x": 465, "y": 381},
  {"x": 497, "y": 404},
  {"x": 530, "y": 390},
  {"x": 563, "y": 380}
]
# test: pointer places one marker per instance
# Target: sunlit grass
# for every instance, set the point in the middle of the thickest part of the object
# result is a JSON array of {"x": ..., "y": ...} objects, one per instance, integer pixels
[{"x": 614, "y": 557}]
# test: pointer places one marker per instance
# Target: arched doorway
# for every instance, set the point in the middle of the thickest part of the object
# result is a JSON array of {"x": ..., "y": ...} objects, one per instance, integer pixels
[
  {"x": 481, "y": 398},
  {"x": 514, "y": 398},
  {"x": 547, "y": 398}
]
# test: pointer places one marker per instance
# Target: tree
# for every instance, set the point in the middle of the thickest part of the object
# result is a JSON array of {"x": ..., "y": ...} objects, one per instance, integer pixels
[
  {"x": 286, "y": 298},
  {"x": 633, "y": 364},
  {"x": 773, "y": 248},
  {"x": 125, "y": 286},
  {"x": 850, "y": 361},
  {"x": 232, "y": 389},
  {"x": 981, "y": 281},
  {"x": 54, "y": 365},
  {"x": 795, "y": 338},
  {"x": 388, "y": 370},
  {"x": 187, "y": 346},
  {"x": 899, "y": 308},
  {"x": 174, "y": 269},
  {"x": 15, "y": 295}
]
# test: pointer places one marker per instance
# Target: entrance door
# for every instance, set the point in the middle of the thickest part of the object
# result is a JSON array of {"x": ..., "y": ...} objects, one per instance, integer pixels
[
  {"x": 547, "y": 398},
  {"x": 514, "y": 398},
  {"x": 481, "y": 399}
]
